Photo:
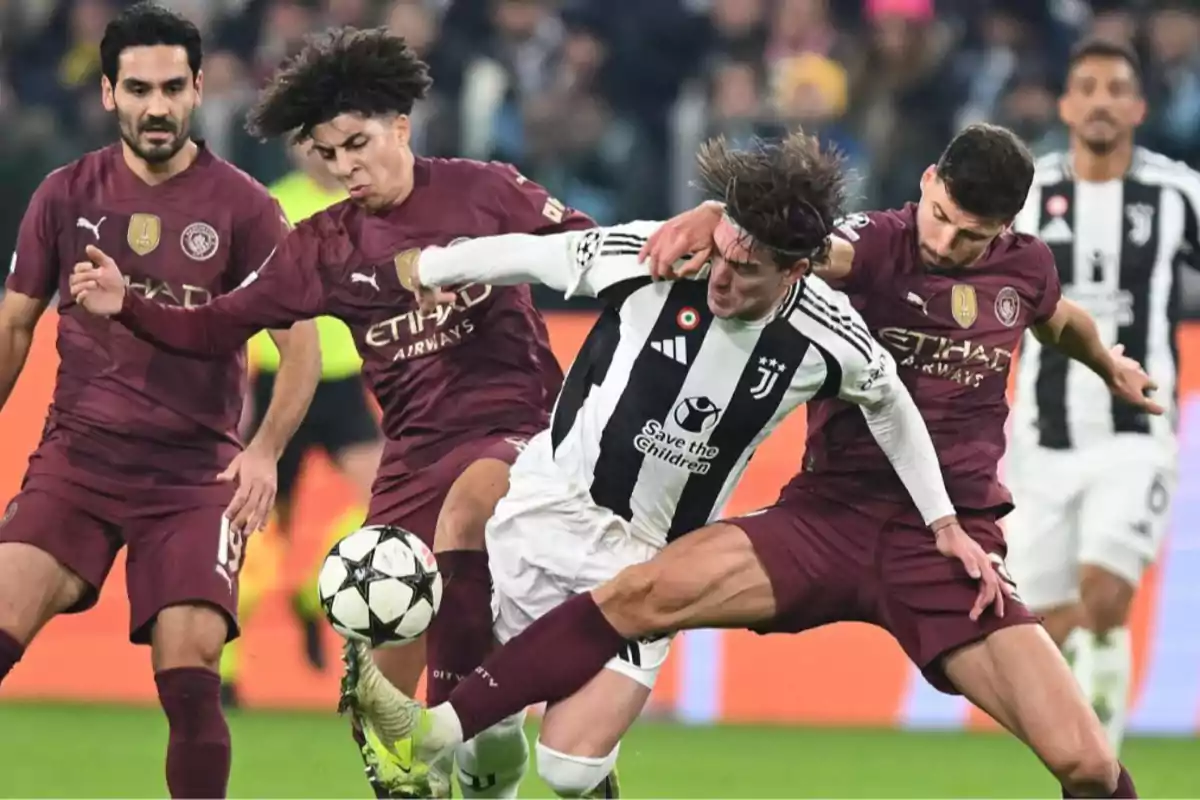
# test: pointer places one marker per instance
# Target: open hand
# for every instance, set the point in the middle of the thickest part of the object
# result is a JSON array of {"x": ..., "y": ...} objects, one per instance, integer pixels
[
  {"x": 256, "y": 474},
  {"x": 1131, "y": 383},
  {"x": 953, "y": 542}
]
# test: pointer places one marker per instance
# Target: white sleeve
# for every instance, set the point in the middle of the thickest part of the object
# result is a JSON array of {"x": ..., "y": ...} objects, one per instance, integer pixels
[
  {"x": 896, "y": 423},
  {"x": 576, "y": 262}
]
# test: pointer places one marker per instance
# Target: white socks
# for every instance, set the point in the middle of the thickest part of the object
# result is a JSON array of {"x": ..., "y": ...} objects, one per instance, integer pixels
[
  {"x": 494, "y": 762},
  {"x": 1103, "y": 667}
]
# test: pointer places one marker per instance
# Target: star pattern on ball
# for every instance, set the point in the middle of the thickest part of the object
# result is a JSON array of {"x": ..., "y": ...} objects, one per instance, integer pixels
[{"x": 421, "y": 582}]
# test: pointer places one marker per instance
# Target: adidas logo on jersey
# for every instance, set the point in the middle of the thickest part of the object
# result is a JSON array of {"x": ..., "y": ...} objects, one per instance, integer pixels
[
  {"x": 674, "y": 348},
  {"x": 1056, "y": 231}
]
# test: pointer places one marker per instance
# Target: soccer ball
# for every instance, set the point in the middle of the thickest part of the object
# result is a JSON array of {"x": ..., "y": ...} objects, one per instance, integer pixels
[{"x": 380, "y": 585}]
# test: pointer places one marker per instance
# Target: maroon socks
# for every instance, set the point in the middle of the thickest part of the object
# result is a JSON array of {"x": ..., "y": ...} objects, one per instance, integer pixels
[
  {"x": 460, "y": 636},
  {"x": 198, "y": 750},
  {"x": 551, "y": 659}
]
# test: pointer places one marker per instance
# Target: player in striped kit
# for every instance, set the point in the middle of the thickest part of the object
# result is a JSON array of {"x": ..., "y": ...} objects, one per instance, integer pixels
[
  {"x": 670, "y": 395},
  {"x": 1092, "y": 476}
]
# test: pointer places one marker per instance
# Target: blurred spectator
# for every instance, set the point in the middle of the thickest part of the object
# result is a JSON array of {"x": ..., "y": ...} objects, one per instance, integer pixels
[{"x": 1173, "y": 40}]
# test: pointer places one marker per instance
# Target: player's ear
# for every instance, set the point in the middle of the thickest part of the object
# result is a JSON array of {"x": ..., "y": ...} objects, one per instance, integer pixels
[
  {"x": 403, "y": 128},
  {"x": 107, "y": 94},
  {"x": 928, "y": 176},
  {"x": 199, "y": 83}
]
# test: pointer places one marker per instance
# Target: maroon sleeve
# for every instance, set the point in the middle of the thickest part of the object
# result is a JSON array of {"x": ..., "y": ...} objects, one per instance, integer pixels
[
  {"x": 260, "y": 231},
  {"x": 286, "y": 289},
  {"x": 526, "y": 207},
  {"x": 870, "y": 233},
  {"x": 34, "y": 270},
  {"x": 1052, "y": 286}
]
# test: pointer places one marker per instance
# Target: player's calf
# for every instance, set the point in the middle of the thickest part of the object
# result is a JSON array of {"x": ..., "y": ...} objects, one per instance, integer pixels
[{"x": 1101, "y": 646}]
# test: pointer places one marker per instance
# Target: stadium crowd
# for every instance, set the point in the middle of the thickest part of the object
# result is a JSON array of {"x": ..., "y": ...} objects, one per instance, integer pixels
[{"x": 603, "y": 101}]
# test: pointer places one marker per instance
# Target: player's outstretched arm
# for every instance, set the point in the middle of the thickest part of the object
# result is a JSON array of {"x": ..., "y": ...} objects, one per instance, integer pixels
[
  {"x": 574, "y": 262},
  {"x": 271, "y": 297},
  {"x": 1072, "y": 330},
  {"x": 19, "y": 315}
]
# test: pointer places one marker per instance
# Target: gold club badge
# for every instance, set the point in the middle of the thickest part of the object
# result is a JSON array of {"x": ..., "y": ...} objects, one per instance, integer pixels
[
  {"x": 144, "y": 234},
  {"x": 406, "y": 268},
  {"x": 963, "y": 305}
]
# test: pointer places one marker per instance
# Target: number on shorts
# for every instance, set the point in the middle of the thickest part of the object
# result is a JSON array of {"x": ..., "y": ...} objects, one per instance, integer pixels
[
  {"x": 230, "y": 547},
  {"x": 1158, "y": 497}
]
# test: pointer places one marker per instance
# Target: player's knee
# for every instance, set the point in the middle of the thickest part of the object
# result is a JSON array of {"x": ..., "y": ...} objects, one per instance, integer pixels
[
  {"x": 460, "y": 525},
  {"x": 1105, "y": 599},
  {"x": 189, "y": 635},
  {"x": 573, "y": 776},
  {"x": 643, "y": 599}
]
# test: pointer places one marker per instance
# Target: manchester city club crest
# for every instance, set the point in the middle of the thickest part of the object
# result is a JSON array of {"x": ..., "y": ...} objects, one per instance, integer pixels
[
  {"x": 1008, "y": 306},
  {"x": 199, "y": 241},
  {"x": 963, "y": 305}
]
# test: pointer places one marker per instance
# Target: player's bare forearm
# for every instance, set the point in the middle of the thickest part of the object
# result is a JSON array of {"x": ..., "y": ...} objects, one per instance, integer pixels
[
  {"x": 19, "y": 315},
  {"x": 295, "y": 383},
  {"x": 1072, "y": 330},
  {"x": 837, "y": 263}
]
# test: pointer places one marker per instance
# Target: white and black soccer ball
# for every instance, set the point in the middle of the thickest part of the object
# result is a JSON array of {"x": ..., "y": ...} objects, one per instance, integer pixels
[{"x": 380, "y": 585}]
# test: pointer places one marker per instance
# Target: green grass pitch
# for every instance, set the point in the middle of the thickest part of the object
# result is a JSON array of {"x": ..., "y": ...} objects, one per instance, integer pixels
[{"x": 53, "y": 750}]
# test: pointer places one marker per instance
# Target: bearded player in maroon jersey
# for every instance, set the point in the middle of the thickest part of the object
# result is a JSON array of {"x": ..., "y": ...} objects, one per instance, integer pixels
[
  {"x": 950, "y": 290},
  {"x": 140, "y": 447},
  {"x": 348, "y": 95}
]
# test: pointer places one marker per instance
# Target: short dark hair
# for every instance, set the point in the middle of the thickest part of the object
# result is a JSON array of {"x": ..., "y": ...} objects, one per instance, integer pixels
[
  {"x": 147, "y": 24},
  {"x": 785, "y": 195},
  {"x": 1099, "y": 47},
  {"x": 344, "y": 71},
  {"x": 987, "y": 171}
]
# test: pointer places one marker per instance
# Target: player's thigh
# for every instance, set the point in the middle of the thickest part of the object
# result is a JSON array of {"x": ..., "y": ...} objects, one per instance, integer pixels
[
  {"x": 54, "y": 558},
  {"x": 1018, "y": 676},
  {"x": 591, "y": 722},
  {"x": 712, "y": 577},
  {"x": 1124, "y": 517},
  {"x": 473, "y": 496},
  {"x": 191, "y": 558},
  {"x": 927, "y": 597},
  {"x": 1042, "y": 531}
]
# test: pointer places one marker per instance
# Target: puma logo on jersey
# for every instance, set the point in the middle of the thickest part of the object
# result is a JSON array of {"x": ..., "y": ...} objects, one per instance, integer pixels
[
  {"x": 361, "y": 277},
  {"x": 90, "y": 226},
  {"x": 915, "y": 299}
]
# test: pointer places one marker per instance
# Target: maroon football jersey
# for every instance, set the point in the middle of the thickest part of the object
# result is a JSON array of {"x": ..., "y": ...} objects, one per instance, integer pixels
[
  {"x": 479, "y": 366},
  {"x": 125, "y": 412},
  {"x": 953, "y": 335}
]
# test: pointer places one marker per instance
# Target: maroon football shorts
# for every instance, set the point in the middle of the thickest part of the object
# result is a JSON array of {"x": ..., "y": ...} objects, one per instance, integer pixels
[
  {"x": 182, "y": 553},
  {"x": 413, "y": 499},
  {"x": 863, "y": 561}
]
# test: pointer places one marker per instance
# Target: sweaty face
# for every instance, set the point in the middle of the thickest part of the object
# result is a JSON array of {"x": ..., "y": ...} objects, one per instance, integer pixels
[
  {"x": 154, "y": 97},
  {"x": 1103, "y": 103},
  {"x": 949, "y": 237},
  {"x": 743, "y": 282},
  {"x": 368, "y": 156}
]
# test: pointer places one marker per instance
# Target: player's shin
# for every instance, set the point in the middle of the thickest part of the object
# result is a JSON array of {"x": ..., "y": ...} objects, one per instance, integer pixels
[
  {"x": 494, "y": 762},
  {"x": 460, "y": 635},
  {"x": 521, "y": 673},
  {"x": 1112, "y": 663},
  {"x": 10, "y": 653},
  {"x": 198, "y": 747}
]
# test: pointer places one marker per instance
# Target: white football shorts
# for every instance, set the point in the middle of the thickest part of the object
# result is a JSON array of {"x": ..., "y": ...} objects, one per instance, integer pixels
[
  {"x": 1106, "y": 504},
  {"x": 547, "y": 542}
]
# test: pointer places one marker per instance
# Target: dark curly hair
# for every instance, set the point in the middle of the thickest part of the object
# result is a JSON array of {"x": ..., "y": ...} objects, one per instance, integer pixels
[
  {"x": 785, "y": 194},
  {"x": 987, "y": 170},
  {"x": 343, "y": 71},
  {"x": 145, "y": 25}
]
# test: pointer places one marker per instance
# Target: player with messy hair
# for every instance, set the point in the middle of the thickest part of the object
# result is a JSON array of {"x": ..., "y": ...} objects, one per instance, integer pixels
[
  {"x": 618, "y": 502},
  {"x": 348, "y": 95}
]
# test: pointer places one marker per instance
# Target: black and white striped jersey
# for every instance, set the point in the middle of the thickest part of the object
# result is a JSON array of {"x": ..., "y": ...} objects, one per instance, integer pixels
[
  {"x": 1118, "y": 246},
  {"x": 665, "y": 403}
]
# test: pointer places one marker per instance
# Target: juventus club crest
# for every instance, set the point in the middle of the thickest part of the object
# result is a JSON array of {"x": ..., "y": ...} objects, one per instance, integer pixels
[
  {"x": 963, "y": 305},
  {"x": 1141, "y": 223},
  {"x": 769, "y": 370}
]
